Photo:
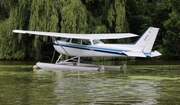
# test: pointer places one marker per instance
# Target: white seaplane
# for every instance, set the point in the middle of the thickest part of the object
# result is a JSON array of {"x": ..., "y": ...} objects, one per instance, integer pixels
[{"x": 89, "y": 45}]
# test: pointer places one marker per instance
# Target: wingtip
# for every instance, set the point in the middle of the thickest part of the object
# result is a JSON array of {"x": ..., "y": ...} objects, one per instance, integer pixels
[
  {"x": 14, "y": 31},
  {"x": 19, "y": 31}
]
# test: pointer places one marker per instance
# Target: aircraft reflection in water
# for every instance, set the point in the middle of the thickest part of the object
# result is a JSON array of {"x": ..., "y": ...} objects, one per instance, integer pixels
[{"x": 98, "y": 89}]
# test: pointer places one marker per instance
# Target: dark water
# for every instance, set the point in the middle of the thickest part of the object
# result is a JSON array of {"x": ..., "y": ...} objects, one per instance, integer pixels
[{"x": 143, "y": 83}]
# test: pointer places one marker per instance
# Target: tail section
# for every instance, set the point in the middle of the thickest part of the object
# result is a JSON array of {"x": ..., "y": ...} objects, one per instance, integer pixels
[{"x": 145, "y": 44}]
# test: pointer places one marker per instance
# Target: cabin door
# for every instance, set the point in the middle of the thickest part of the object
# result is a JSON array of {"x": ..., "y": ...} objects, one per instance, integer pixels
[
  {"x": 86, "y": 48},
  {"x": 75, "y": 49}
]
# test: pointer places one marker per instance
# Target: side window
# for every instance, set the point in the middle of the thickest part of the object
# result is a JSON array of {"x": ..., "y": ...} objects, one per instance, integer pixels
[
  {"x": 95, "y": 41},
  {"x": 68, "y": 40},
  {"x": 86, "y": 42},
  {"x": 76, "y": 41}
]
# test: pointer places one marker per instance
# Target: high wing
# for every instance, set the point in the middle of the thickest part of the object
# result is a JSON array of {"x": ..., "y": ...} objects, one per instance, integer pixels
[{"x": 79, "y": 36}]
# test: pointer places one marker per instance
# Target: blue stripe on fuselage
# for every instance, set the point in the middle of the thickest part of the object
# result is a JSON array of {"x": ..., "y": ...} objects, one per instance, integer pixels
[{"x": 97, "y": 49}]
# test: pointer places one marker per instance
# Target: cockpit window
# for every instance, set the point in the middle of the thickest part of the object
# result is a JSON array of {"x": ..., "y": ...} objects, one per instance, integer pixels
[
  {"x": 86, "y": 42},
  {"x": 96, "y": 41}
]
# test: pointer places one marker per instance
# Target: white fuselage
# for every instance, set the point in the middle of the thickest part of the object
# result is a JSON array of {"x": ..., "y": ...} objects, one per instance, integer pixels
[{"x": 100, "y": 49}]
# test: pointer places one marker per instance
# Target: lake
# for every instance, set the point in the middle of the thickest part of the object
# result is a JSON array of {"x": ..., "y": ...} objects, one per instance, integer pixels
[{"x": 144, "y": 82}]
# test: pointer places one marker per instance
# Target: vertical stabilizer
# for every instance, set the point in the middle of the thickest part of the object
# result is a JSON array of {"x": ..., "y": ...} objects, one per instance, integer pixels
[{"x": 146, "y": 42}]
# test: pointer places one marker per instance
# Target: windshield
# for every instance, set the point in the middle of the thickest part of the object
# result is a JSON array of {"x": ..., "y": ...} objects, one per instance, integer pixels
[{"x": 96, "y": 41}]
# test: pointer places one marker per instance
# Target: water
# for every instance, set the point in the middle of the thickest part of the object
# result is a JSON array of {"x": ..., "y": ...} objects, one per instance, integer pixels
[{"x": 141, "y": 84}]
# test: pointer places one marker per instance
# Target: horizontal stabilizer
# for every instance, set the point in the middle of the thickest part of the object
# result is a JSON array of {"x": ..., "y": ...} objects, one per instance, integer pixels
[
  {"x": 134, "y": 54},
  {"x": 155, "y": 54}
]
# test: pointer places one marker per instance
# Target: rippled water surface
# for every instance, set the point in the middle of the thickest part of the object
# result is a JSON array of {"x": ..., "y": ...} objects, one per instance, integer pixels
[{"x": 141, "y": 84}]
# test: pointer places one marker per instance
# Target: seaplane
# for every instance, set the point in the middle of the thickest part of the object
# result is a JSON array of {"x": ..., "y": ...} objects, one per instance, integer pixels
[{"x": 90, "y": 45}]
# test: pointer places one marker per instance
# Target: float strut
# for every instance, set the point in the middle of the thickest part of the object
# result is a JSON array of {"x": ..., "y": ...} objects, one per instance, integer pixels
[
  {"x": 59, "y": 58},
  {"x": 79, "y": 58}
]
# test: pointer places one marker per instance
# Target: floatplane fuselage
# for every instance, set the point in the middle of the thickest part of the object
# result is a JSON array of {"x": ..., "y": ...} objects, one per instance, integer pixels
[{"x": 97, "y": 49}]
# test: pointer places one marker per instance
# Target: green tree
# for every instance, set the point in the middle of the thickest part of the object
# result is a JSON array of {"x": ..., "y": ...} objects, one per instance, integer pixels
[
  {"x": 140, "y": 14},
  {"x": 171, "y": 39},
  {"x": 25, "y": 14},
  {"x": 107, "y": 15},
  {"x": 74, "y": 17}
]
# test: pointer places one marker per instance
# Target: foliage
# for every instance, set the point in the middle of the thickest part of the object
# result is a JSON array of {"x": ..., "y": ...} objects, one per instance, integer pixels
[
  {"x": 85, "y": 16},
  {"x": 33, "y": 15},
  {"x": 140, "y": 15},
  {"x": 170, "y": 45}
]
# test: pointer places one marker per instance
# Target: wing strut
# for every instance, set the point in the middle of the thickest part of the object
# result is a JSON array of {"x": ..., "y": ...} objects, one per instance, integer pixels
[{"x": 62, "y": 47}]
